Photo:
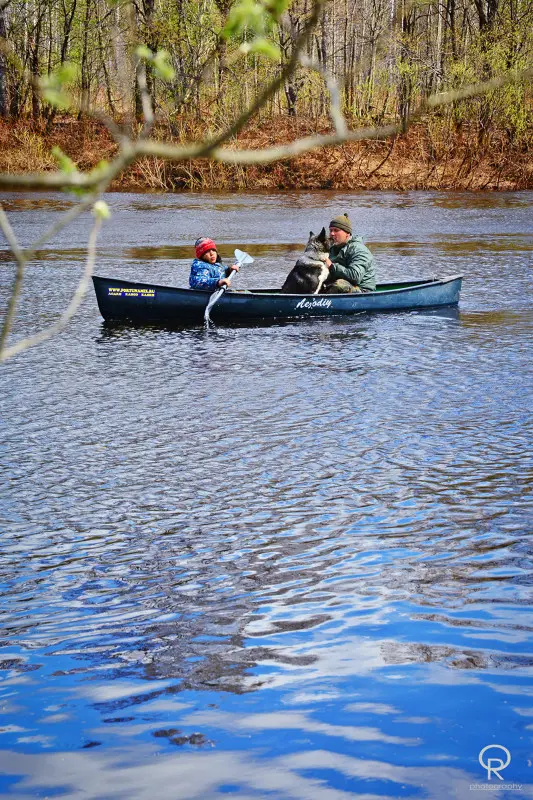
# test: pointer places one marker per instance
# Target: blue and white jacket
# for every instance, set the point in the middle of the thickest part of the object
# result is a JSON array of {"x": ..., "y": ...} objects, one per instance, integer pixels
[{"x": 206, "y": 276}]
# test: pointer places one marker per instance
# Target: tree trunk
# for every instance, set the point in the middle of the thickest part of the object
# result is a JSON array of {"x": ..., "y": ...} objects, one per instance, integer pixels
[
  {"x": 439, "y": 56},
  {"x": 84, "y": 106},
  {"x": 103, "y": 56},
  {"x": 35, "y": 65},
  {"x": 221, "y": 57},
  {"x": 288, "y": 34},
  {"x": 3, "y": 83}
]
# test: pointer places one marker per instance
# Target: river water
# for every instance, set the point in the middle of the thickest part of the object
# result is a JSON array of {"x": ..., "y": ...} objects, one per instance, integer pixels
[{"x": 285, "y": 561}]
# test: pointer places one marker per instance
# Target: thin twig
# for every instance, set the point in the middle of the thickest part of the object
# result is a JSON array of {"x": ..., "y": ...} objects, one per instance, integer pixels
[
  {"x": 17, "y": 283},
  {"x": 146, "y": 100},
  {"x": 24, "y": 256},
  {"x": 332, "y": 85},
  {"x": 72, "y": 307},
  {"x": 384, "y": 159},
  {"x": 118, "y": 135},
  {"x": 62, "y": 222}
]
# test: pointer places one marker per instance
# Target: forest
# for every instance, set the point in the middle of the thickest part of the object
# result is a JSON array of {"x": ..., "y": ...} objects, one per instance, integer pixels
[{"x": 206, "y": 61}]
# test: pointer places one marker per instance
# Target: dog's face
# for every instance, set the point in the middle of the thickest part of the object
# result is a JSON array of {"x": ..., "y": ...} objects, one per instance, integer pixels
[{"x": 319, "y": 243}]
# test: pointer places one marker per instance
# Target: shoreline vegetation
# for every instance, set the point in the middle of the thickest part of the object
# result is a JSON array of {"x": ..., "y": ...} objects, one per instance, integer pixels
[{"x": 429, "y": 156}]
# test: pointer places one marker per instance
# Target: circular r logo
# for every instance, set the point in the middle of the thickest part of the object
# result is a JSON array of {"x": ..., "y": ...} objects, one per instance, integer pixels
[{"x": 495, "y": 762}]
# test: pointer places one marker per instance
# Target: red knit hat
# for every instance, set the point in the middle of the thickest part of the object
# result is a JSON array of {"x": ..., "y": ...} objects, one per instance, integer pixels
[{"x": 203, "y": 245}]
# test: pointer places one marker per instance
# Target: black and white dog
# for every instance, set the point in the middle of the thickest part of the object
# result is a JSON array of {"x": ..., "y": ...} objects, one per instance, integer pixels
[{"x": 309, "y": 273}]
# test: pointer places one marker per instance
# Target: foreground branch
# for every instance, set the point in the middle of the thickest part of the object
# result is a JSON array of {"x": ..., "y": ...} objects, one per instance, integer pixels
[
  {"x": 19, "y": 276},
  {"x": 22, "y": 257},
  {"x": 74, "y": 304}
]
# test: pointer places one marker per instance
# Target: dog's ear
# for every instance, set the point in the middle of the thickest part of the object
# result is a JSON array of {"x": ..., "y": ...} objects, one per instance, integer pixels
[
  {"x": 311, "y": 234},
  {"x": 322, "y": 235}
]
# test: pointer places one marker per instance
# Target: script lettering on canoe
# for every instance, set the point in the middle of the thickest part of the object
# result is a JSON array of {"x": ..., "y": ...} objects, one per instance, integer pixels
[
  {"x": 118, "y": 291},
  {"x": 322, "y": 303}
]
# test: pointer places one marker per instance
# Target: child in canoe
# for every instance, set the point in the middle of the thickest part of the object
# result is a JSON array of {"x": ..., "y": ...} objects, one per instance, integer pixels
[{"x": 207, "y": 271}]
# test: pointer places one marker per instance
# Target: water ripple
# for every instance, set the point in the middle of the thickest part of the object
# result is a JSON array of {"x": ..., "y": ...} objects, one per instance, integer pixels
[{"x": 289, "y": 560}]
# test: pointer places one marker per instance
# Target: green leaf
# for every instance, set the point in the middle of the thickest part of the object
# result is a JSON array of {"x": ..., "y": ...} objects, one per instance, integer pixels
[
  {"x": 245, "y": 15},
  {"x": 64, "y": 163},
  {"x": 160, "y": 62},
  {"x": 55, "y": 98},
  {"x": 101, "y": 210},
  {"x": 99, "y": 169},
  {"x": 162, "y": 66},
  {"x": 276, "y": 7},
  {"x": 143, "y": 53},
  {"x": 52, "y": 86},
  {"x": 263, "y": 47},
  {"x": 66, "y": 73}
]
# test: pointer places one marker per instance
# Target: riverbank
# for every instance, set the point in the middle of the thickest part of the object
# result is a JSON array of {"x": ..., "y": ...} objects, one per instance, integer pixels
[{"x": 427, "y": 157}]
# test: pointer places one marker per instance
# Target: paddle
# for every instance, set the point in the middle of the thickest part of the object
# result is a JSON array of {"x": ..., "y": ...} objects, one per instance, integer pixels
[{"x": 242, "y": 258}]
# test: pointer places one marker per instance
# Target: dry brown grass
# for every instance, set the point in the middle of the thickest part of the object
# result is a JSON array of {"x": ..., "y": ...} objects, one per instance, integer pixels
[
  {"x": 25, "y": 146},
  {"x": 23, "y": 150},
  {"x": 421, "y": 159}
]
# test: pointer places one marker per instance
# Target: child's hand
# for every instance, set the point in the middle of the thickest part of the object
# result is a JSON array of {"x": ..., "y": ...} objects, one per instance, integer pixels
[
  {"x": 223, "y": 282},
  {"x": 235, "y": 267}
]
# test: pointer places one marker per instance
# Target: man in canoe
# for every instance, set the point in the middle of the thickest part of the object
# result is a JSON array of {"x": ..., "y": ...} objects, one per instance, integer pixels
[
  {"x": 350, "y": 262},
  {"x": 207, "y": 271}
]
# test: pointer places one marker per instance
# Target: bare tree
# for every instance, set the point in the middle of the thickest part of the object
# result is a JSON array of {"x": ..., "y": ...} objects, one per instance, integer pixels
[{"x": 4, "y": 105}]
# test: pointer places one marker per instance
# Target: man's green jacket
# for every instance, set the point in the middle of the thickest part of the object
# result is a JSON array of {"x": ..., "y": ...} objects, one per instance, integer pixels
[{"x": 353, "y": 262}]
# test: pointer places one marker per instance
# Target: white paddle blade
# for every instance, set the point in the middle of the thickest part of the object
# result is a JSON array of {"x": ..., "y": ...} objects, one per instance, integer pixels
[{"x": 242, "y": 257}]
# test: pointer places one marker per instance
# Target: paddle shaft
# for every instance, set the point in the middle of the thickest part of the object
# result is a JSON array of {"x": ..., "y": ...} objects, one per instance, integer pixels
[
  {"x": 242, "y": 258},
  {"x": 215, "y": 297}
]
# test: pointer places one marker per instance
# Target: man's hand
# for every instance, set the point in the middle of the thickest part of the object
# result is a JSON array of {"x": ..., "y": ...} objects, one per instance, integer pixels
[{"x": 328, "y": 262}]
